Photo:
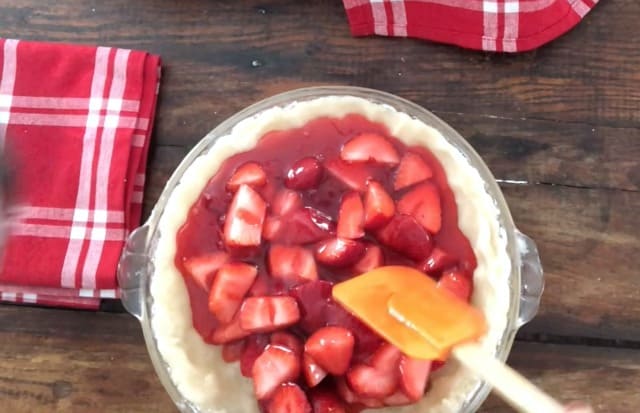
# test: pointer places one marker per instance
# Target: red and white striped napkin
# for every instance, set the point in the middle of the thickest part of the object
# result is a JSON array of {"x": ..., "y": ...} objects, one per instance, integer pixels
[
  {"x": 75, "y": 124},
  {"x": 489, "y": 25}
]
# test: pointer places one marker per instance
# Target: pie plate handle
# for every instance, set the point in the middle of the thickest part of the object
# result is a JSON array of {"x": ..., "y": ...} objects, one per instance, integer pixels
[
  {"x": 133, "y": 269},
  {"x": 532, "y": 278}
]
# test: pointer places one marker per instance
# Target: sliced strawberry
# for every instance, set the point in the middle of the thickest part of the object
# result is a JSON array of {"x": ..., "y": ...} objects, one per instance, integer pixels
[
  {"x": 397, "y": 399},
  {"x": 367, "y": 341},
  {"x": 225, "y": 333},
  {"x": 404, "y": 235},
  {"x": 231, "y": 284},
  {"x": 456, "y": 282},
  {"x": 313, "y": 373},
  {"x": 423, "y": 203},
  {"x": 369, "y": 146},
  {"x": 272, "y": 228},
  {"x": 287, "y": 340},
  {"x": 354, "y": 176},
  {"x": 243, "y": 223},
  {"x": 351, "y": 216},
  {"x": 412, "y": 169},
  {"x": 305, "y": 173},
  {"x": 313, "y": 298},
  {"x": 286, "y": 201},
  {"x": 378, "y": 206},
  {"x": 255, "y": 345},
  {"x": 233, "y": 351},
  {"x": 331, "y": 348},
  {"x": 367, "y": 381},
  {"x": 344, "y": 391},
  {"x": 292, "y": 263},
  {"x": 380, "y": 379},
  {"x": 436, "y": 262},
  {"x": 386, "y": 358},
  {"x": 302, "y": 226},
  {"x": 276, "y": 365},
  {"x": 339, "y": 252},
  {"x": 289, "y": 398},
  {"x": 372, "y": 258},
  {"x": 250, "y": 173},
  {"x": 265, "y": 314},
  {"x": 324, "y": 401},
  {"x": 370, "y": 402},
  {"x": 203, "y": 267},
  {"x": 414, "y": 374}
]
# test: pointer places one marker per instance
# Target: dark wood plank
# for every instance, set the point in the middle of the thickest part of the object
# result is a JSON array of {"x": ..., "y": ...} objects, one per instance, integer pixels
[
  {"x": 71, "y": 361},
  {"x": 220, "y": 55},
  {"x": 588, "y": 241}
]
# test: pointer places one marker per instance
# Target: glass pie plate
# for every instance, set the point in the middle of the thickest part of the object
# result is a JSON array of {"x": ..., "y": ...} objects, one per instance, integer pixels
[{"x": 525, "y": 280}]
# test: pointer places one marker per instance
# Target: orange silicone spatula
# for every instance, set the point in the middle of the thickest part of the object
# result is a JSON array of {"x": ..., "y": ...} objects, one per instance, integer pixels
[{"x": 409, "y": 310}]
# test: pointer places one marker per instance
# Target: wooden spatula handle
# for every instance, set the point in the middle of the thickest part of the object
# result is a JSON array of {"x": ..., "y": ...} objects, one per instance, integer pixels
[{"x": 511, "y": 385}]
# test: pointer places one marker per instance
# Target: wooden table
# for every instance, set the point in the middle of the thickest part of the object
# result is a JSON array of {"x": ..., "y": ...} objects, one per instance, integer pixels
[{"x": 565, "y": 120}]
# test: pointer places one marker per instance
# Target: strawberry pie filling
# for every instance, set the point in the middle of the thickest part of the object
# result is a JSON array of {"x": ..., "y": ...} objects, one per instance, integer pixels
[{"x": 279, "y": 224}]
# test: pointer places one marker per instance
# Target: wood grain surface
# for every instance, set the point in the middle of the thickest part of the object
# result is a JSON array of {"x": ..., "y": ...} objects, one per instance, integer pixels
[{"x": 562, "y": 122}]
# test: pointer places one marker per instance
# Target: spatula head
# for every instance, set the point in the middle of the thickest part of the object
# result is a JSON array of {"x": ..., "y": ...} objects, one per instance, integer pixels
[{"x": 407, "y": 308}]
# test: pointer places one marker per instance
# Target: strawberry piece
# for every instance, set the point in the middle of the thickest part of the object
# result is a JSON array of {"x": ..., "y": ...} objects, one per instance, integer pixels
[
  {"x": 292, "y": 263},
  {"x": 367, "y": 381},
  {"x": 233, "y": 351},
  {"x": 302, "y": 226},
  {"x": 286, "y": 201},
  {"x": 397, "y": 399},
  {"x": 378, "y": 205},
  {"x": 380, "y": 379},
  {"x": 386, "y": 358},
  {"x": 436, "y": 262},
  {"x": 339, "y": 252},
  {"x": 287, "y": 340},
  {"x": 423, "y": 203},
  {"x": 412, "y": 169},
  {"x": 354, "y": 176},
  {"x": 324, "y": 401},
  {"x": 289, "y": 398},
  {"x": 344, "y": 391},
  {"x": 276, "y": 365},
  {"x": 305, "y": 173},
  {"x": 404, "y": 235},
  {"x": 351, "y": 216},
  {"x": 203, "y": 268},
  {"x": 370, "y": 402},
  {"x": 313, "y": 298},
  {"x": 250, "y": 174},
  {"x": 456, "y": 282},
  {"x": 331, "y": 348},
  {"x": 414, "y": 374},
  {"x": 367, "y": 341},
  {"x": 231, "y": 284},
  {"x": 369, "y": 146},
  {"x": 256, "y": 343},
  {"x": 372, "y": 258},
  {"x": 313, "y": 373},
  {"x": 243, "y": 224},
  {"x": 272, "y": 228},
  {"x": 225, "y": 333},
  {"x": 265, "y": 314}
]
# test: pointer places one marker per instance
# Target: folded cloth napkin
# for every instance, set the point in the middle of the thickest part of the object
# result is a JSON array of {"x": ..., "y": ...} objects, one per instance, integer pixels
[
  {"x": 75, "y": 124},
  {"x": 490, "y": 25}
]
